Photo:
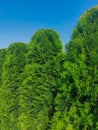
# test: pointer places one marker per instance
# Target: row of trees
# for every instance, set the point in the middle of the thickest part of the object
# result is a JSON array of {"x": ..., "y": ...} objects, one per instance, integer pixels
[{"x": 43, "y": 87}]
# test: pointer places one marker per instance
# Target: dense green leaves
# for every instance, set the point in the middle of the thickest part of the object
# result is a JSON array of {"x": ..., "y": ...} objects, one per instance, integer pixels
[
  {"x": 76, "y": 101},
  {"x": 39, "y": 86},
  {"x": 44, "y": 88},
  {"x": 2, "y": 58},
  {"x": 12, "y": 68}
]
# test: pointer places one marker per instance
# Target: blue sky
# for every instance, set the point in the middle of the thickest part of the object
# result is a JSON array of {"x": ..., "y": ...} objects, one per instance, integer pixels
[{"x": 19, "y": 19}]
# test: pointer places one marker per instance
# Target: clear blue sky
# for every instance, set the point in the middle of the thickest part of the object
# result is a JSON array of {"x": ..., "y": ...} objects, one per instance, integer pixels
[{"x": 19, "y": 19}]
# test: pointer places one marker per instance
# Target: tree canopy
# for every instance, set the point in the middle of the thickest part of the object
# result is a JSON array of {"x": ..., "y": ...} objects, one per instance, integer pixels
[
  {"x": 76, "y": 101},
  {"x": 43, "y": 87},
  {"x": 40, "y": 79}
]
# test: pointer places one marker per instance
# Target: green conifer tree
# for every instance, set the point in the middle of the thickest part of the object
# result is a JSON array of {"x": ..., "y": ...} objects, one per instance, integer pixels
[
  {"x": 13, "y": 67},
  {"x": 77, "y": 99},
  {"x": 40, "y": 83}
]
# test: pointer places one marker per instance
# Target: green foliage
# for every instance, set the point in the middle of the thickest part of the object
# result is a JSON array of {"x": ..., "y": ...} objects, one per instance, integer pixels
[
  {"x": 2, "y": 58},
  {"x": 40, "y": 80},
  {"x": 13, "y": 67},
  {"x": 43, "y": 88},
  {"x": 76, "y": 101},
  {"x": 85, "y": 35}
]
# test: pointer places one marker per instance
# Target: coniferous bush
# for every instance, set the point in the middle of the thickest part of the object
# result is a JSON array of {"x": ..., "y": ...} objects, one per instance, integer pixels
[
  {"x": 13, "y": 66},
  {"x": 39, "y": 86},
  {"x": 76, "y": 101},
  {"x": 44, "y": 88}
]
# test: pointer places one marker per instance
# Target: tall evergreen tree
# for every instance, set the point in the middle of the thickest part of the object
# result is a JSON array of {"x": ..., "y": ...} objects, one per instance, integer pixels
[
  {"x": 13, "y": 67},
  {"x": 77, "y": 100},
  {"x": 40, "y": 83}
]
